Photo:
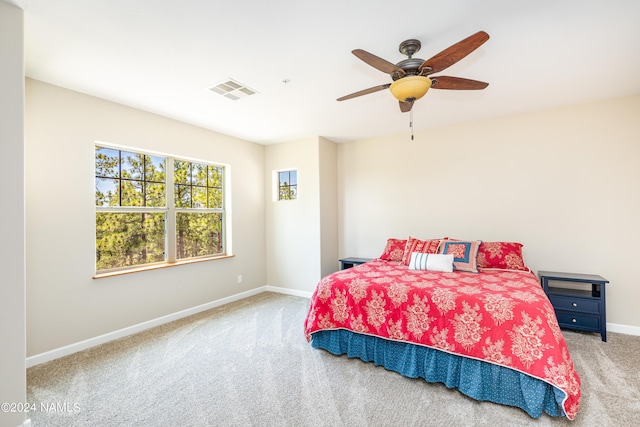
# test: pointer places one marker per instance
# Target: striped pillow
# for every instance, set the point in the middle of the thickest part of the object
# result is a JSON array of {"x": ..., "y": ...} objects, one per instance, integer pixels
[
  {"x": 431, "y": 262},
  {"x": 417, "y": 245}
]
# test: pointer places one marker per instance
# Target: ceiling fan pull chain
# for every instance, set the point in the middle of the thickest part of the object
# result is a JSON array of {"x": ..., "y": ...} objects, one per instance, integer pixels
[{"x": 411, "y": 123}]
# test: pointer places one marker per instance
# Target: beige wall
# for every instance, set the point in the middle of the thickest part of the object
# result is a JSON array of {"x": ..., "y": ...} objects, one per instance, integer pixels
[
  {"x": 12, "y": 227},
  {"x": 562, "y": 182},
  {"x": 65, "y": 305},
  {"x": 298, "y": 254},
  {"x": 328, "y": 152}
]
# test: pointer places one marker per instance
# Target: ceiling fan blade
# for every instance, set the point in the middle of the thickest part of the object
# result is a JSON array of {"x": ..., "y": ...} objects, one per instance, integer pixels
[
  {"x": 378, "y": 63},
  {"x": 455, "y": 53},
  {"x": 365, "y": 92},
  {"x": 456, "y": 83},
  {"x": 405, "y": 106}
]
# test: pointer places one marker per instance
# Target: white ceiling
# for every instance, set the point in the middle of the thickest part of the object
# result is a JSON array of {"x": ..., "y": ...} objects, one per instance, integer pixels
[{"x": 163, "y": 55}]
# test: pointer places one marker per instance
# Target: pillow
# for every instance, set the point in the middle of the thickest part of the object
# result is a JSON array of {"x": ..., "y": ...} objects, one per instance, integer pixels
[
  {"x": 394, "y": 250},
  {"x": 417, "y": 245},
  {"x": 464, "y": 253},
  {"x": 431, "y": 262},
  {"x": 501, "y": 255}
]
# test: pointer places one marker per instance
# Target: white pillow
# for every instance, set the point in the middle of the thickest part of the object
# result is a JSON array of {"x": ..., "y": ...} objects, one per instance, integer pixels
[{"x": 431, "y": 262}]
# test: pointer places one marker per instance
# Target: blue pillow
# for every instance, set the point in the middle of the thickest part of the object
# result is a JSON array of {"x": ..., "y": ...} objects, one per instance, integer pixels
[{"x": 464, "y": 253}]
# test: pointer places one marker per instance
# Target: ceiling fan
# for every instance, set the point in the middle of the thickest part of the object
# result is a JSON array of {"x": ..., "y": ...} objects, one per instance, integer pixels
[{"x": 410, "y": 81}]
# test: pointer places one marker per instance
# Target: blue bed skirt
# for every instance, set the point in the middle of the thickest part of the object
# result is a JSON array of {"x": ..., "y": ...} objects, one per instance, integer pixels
[{"x": 475, "y": 378}]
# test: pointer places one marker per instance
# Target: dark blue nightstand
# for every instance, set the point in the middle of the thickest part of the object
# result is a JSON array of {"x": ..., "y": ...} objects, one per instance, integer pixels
[
  {"x": 578, "y": 309},
  {"x": 351, "y": 262}
]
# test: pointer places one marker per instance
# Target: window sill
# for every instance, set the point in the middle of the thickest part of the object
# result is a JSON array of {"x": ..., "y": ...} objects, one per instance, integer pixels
[{"x": 158, "y": 266}]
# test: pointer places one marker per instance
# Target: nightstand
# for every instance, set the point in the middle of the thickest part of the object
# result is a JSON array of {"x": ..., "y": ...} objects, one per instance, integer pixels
[
  {"x": 582, "y": 309},
  {"x": 351, "y": 262}
]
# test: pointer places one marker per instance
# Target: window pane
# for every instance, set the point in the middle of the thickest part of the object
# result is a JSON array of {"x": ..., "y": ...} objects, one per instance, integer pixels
[
  {"x": 107, "y": 192},
  {"x": 181, "y": 172},
  {"x": 215, "y": 198},
  {"x": 199, "y": 195},
  {"x": 132, "y": 165},
  {"x": 284, "y": 178},
  {"x": 198, "y": 234},
  {"x": 129, "y": 239},
  {"x": 215, "y": 176},
  {"x": 132, "y": 194},
  {"x": 155, "y": 195},
  {"x": 285, "y": 193},
  {"x": 182, "y": 196},
  {"x": 107, "y": 162},
  {"x": 293, "y": 177},
  {"x": 199, "y": 174},
  {"x": 155, "y": 169}
]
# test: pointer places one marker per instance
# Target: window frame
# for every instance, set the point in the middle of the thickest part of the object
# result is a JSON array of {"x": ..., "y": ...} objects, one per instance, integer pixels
[
  {"x": 199, "y": 209},
  {"x": 170, "y": 211},
  {"x": 277, "y": 187}
]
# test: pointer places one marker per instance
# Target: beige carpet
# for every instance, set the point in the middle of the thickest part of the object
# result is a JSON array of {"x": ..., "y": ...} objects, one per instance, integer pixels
[{"x": 248, "y": 364}]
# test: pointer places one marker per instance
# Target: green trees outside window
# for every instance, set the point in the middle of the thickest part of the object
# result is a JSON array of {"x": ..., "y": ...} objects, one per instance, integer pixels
[
  {"x": 287, "y": 185},
  {"x": 135, "y": 222},
  {"x": 198, "y": 203}
]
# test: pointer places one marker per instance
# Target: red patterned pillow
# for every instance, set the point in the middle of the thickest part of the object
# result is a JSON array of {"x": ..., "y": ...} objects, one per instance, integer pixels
[
  {"x": 502, "y": 255},
  {"x": 421, "y": 246},
  {"x": 394, "y": 250},
  {"x": 465, "y": 253}
]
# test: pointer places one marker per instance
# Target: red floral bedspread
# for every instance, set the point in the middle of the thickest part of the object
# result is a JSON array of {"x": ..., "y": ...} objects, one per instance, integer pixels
[{"x": 499, "y": 316}]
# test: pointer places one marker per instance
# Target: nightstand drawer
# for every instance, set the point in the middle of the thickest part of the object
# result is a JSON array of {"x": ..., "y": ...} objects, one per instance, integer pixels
[
  {"x": 574, "y": 320},
  {"x": 574, "y": 304}
]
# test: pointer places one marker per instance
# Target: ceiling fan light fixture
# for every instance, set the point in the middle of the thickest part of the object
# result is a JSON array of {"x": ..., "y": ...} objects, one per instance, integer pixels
[{"x": 410, "y": 87}]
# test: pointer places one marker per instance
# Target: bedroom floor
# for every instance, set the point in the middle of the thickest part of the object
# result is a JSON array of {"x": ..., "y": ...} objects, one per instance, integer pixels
[{"x": 248, "y": 364}]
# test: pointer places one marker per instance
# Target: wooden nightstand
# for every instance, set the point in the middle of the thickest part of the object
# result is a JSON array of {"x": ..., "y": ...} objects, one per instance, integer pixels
[
  {"x": 578, "y": 309},
  {"x": 351, "y": 262}
]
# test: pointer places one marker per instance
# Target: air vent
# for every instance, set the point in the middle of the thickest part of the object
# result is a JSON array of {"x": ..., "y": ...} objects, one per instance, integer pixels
[{"x": 232, "y": 89}]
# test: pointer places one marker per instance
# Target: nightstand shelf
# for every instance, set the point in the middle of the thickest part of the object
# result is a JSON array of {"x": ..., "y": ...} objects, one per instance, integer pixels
[
  {"x": 577, "y": 309},
  {"x": 352, "y": 262}
]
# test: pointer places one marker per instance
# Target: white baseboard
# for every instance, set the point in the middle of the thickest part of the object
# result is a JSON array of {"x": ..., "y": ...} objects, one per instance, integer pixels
[
  {"x": 287, "y": 291},
  {"x": 120, "y": 333},
  {"x": 623, "y": 329}
]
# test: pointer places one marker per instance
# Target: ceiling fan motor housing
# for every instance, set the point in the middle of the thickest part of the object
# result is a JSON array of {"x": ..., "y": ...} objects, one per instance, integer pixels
[{"x": 410, "y": 66}]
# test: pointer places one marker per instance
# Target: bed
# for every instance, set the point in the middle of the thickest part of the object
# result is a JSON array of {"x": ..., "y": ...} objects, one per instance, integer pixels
[{"x": 468, "y": 314}]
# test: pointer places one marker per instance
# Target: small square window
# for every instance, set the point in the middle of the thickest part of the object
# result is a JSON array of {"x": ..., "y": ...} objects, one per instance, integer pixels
[{"x": 288, "y": 185}]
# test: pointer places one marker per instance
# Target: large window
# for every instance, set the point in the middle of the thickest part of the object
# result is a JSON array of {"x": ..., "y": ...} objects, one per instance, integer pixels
[{"x": 156, "y": 209}]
